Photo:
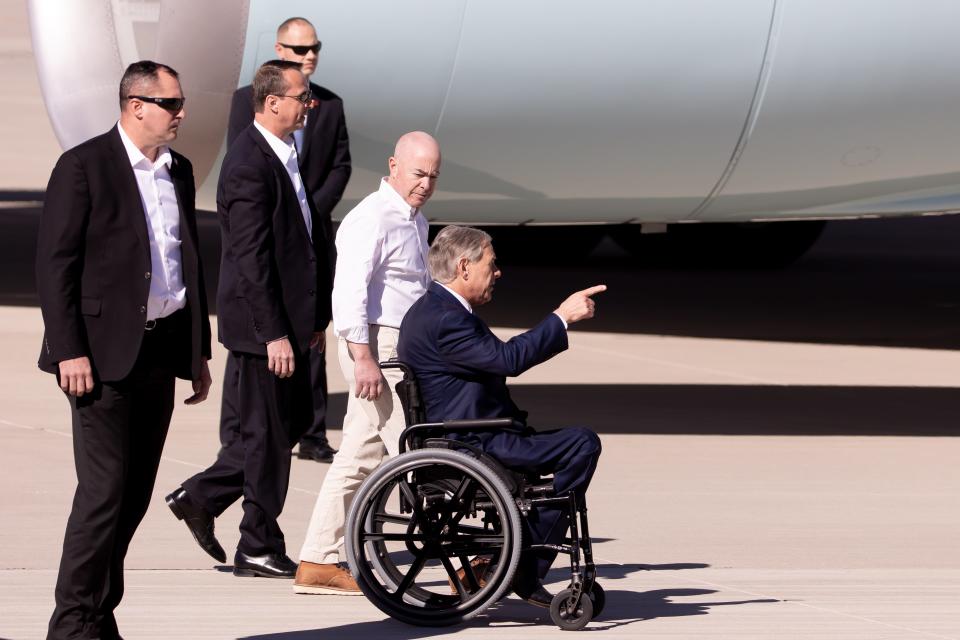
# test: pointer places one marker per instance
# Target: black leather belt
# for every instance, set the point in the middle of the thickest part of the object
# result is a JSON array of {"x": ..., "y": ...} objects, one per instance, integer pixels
[{"x": 167, "y": 323}]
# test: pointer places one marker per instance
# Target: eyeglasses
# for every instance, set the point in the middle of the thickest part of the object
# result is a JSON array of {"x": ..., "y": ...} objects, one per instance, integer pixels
[
  {"x": 303, "y": 98},
  {"x": 173, "y": 105},
  {"x": 303, "y": 49}
]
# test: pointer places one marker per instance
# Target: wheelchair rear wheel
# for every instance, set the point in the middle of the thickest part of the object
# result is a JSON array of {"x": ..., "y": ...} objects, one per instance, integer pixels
[{"x": 406, "y": 559}]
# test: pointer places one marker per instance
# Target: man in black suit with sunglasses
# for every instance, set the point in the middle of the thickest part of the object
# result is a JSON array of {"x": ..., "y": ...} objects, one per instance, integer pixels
[
  {"x": 124, "y": 313},
  {"x": 271, "y": 314},
  {"x": 324, "y": 152}
]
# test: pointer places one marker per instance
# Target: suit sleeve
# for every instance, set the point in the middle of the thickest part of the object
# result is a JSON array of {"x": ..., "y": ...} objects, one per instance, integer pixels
[
  {"x": 241, "y": 114},
  {"x": 328, "y": 195},
  {"x": 469, "y": 346},
  {"x": 247, "y": 194},
  {"x": 60, "y": 252}
]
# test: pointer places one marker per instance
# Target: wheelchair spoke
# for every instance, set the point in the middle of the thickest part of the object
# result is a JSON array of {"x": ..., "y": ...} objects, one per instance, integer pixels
[
  {"x": 469, "y": 574},
  {"x": 392, "y": 537},
  {"x": 471, "y": 549},
  {"x": 464, "y": 496},
  {"x": 418, "y": 563},
  {"x": 408, "y": 493},
  {"x": 389, "y": 517},
  {"x": 475, "y": 530},
  {"x": 454, "y": 578},
  {"x": 493, "y": 539}
]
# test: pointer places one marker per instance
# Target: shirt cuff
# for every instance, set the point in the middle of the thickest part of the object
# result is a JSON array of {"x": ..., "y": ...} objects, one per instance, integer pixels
[
  {"x": 565, "y": 326},
  {"x": 360, "y": 335}
]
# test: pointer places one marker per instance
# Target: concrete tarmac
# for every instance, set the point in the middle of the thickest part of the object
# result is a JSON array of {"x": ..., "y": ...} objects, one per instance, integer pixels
[{"x": 779, "y": 461}]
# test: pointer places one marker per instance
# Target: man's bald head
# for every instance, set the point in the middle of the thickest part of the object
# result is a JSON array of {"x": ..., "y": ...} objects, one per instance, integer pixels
[
  {"x": 416, "y": 142},
  {"x": 415, "y": 167},
  {"x": 297, "y": 42},
  {"x": 292, "y": 23}
]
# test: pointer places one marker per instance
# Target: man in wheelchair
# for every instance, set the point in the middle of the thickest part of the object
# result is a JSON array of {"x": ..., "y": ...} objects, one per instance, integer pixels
[{"x": 461, "y": 368}]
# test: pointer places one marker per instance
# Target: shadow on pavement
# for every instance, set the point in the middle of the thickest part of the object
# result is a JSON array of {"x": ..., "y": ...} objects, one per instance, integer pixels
[
  {"x": 737, "y": 409},
  {"x": 622, "y": 608}
]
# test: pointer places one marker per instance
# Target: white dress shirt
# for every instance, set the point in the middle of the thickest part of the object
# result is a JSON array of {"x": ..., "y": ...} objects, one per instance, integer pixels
[
  {"x": 167, "y": 291},
  {"x": 381, "y": 264},
  {"x": 287, "y": 153}
]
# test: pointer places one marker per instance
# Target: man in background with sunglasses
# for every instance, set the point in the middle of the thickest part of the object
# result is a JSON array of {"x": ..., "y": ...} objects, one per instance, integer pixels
[
  {"x": 324, "y": 151},
  {"x": 124, "y": 312},
  {"x": 272, "y": 312}
]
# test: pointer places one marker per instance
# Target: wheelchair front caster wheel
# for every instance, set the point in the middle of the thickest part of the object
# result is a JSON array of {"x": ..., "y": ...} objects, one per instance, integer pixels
[
  {"x": 568, "y": 614},
  {"x": 598, "y": 598}
]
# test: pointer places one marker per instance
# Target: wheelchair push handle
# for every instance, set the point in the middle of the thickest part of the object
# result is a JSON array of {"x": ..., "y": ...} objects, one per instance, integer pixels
[{"x": 452, "y": 426}]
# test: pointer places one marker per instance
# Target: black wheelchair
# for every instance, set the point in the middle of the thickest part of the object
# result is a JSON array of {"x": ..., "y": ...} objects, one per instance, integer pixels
[{"x": 443, "y": 503}]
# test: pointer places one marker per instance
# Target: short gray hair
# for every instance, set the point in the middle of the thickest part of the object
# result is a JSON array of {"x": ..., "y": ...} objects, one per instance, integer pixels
[{"x": 451, "y": 244}]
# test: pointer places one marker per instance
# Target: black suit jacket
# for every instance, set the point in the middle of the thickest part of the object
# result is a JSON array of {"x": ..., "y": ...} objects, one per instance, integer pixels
[
  {"x": 93, "y": 262},
  {"x": 272, "y": 283},
  {"x": 325, "y": 157},
  {"x": 461, "y": 366}
]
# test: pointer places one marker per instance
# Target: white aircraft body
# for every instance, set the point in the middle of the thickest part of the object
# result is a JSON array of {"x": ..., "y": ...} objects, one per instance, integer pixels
[{"x": 557, "y": 112}]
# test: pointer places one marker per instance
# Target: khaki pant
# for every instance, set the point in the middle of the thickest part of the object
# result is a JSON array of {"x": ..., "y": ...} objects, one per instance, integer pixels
[{"x": 371, "y": 430}]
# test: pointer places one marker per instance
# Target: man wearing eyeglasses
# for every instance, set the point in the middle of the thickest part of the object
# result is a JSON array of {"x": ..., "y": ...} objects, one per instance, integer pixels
[
  {"x": 124, "y": 311},
  {"x": 324, "y": 152},
  {"x": 271, "y": 312}
]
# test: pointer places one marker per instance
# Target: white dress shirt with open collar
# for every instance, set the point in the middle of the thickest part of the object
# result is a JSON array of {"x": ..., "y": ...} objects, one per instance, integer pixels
[
  {"x": 381, "y": 264},
  {"x": 159, "y": 199},
  {"x": 287, "y": 153}
]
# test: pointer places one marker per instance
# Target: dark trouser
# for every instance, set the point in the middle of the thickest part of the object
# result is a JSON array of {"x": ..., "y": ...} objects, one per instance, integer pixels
[
  {"x": 118, "y": 435},
  {"x": 316, "y": 433},
  {"x": 255, "y": 464},
  {"x": 569, "y": 454}
]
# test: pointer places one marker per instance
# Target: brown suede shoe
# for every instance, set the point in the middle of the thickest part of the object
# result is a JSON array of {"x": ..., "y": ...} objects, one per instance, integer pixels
[
  {"x": 481, "y": 567},
  {"x": 325, "y": 579}
]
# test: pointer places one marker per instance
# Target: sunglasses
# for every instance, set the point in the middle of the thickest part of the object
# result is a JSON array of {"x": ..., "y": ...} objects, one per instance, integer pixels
[
  {"x": 303, "y": 98},
  {"x": 303, "y": 49},
  {"x": 173, "y": 105}
]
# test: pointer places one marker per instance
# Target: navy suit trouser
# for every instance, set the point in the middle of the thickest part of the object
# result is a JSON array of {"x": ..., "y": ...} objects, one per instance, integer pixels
[{"x": 569, "y": 454}]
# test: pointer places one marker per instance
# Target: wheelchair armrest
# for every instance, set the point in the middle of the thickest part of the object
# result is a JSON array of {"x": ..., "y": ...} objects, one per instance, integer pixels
[{"x": 484, "y": 424}]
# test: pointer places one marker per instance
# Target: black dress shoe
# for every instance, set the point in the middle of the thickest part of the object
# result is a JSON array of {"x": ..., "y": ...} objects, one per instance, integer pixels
[
  {"x": 198, "y": 521},
  {"x": 527, "y": 585},
  {"x": 538, "y": 597},
  {"x": 272, "y": 565},
  {"x": 322, "y": 452}
]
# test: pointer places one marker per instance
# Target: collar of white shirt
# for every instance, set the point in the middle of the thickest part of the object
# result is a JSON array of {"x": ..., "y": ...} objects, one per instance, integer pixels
[
  {"x": 388, "y": 193},
  {"x": 282, "y": 148},
  {"x": 463, "y": 301},
  {"x": 136, "y": 156}
]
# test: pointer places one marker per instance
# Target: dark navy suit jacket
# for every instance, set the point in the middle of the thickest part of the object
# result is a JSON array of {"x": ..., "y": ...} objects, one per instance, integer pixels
[{"x": 461, "y": 366}]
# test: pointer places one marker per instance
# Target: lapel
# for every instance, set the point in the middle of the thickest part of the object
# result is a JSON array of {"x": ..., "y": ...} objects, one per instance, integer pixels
[
  {"x": 312, "y": 118},
  {"x": 128, "y": 191},
  {"x": 288, "y": 197},
  {"x": 181, "y": 187}
]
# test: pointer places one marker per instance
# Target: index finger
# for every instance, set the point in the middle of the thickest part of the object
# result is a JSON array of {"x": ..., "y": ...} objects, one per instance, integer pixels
[{"x": 599, "y": 288}]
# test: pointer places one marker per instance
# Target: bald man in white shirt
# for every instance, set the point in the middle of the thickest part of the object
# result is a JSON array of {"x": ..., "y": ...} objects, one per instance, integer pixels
[{"x": 381, "y": 271}]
